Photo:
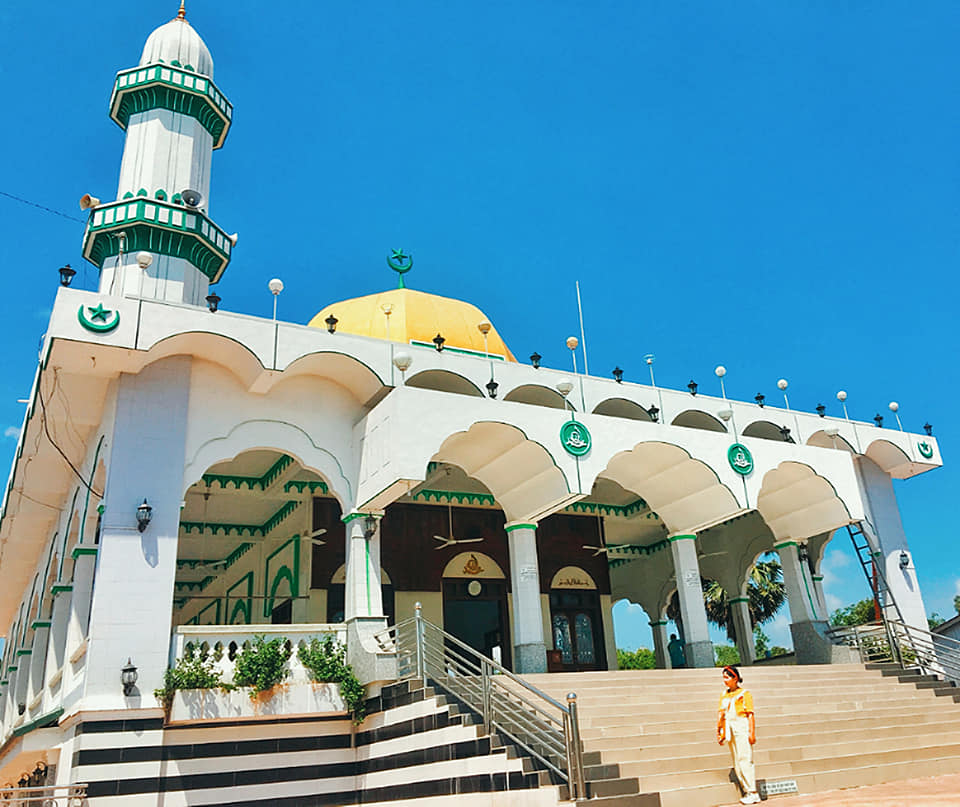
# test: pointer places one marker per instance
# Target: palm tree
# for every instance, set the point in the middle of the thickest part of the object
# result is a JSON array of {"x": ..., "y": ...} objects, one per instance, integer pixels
[{"x": 764, "y": 588}]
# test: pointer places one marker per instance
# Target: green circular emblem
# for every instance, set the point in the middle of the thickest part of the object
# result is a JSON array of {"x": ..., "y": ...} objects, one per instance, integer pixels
[
  {"x": 926, "y": 450},
  {"x": 575, "y": 438},
  {"x": 100, "y": 319},
  {"x": 740, "y": 458}
]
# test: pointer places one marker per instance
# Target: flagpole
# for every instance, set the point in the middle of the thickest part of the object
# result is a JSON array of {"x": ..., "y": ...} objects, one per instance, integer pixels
[{"x": 583, "y": 338}]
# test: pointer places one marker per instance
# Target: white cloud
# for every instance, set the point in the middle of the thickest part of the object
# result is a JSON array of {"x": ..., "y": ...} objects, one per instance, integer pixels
[
  {"x": 956, "y": 586},
  {"x": 12, "y": 431},
  {"x": 833, "y": 602}
]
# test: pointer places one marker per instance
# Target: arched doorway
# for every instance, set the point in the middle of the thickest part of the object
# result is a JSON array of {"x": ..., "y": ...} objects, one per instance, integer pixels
[
  {"x": 575, "y": 621},
  {"x": 475, "y": 605},
  {"x": 336, "y": 596}
]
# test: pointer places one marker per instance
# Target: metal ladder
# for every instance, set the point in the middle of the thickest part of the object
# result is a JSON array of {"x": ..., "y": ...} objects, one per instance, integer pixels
[{"x": 872, "y": 564}]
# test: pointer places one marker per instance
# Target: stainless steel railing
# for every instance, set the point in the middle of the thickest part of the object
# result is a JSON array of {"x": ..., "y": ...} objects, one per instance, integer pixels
[
  {"x": 44, "y": 796},
  {"x": 543, "y": 727},
  {"x": 910, "y": 647}
]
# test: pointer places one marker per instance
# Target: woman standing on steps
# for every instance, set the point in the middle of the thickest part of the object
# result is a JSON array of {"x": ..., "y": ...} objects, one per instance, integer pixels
[{"x": 736, "y": 727}]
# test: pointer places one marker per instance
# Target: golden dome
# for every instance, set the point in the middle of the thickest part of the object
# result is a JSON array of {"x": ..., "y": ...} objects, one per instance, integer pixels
[{"x": 415, "y": 316}]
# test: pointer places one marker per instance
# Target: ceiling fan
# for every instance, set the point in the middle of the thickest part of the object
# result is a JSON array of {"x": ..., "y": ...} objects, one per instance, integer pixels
[
  {"x": 445, "y": 541},
  {"x": 603, "y": 550},
  {"x": 314, "y": 536}
]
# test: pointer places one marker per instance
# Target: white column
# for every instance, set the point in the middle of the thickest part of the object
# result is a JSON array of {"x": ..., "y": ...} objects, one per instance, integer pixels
[
  {"x": 800, "y": 596},
  {"x": 38, "y": 662},
  {"x": 56, "y": 643},
  {"x": 881, "y": 502},
  {"x": 78, "y": 620},
  {"x": 660, "y": 644},
  {"x": 696, "y": 634},
  {"x": 743, "y": 627},
  {"x": 529, "y": 650},
  {"x": 363, "y": 595},
  {"x": 821, "y": 596},
  {"x": 133, "y": 597}
]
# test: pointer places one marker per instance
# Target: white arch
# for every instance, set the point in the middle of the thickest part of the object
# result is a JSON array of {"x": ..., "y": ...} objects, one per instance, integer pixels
[
  {"x": 272, "y": 435},
  {"x": 797, "y": 503}
]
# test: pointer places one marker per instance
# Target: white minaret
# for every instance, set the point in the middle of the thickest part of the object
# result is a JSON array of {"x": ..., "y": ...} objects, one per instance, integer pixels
[{"x": 174, "y": 117}]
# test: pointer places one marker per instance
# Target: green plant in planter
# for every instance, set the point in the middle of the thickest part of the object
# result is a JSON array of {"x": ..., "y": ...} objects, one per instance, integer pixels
[
  {"x": 326, "y": 661},
  {"x": 194, "y": 670},
  {"x": 262, "y": 664}
]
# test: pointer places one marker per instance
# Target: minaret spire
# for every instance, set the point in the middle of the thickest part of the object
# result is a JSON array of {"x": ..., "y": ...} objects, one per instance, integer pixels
[{"x": 182, "y": 13}]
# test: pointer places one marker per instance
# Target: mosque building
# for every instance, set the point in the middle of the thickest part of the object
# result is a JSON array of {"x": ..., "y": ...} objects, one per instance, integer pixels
[{"x": 214, "y": 474}]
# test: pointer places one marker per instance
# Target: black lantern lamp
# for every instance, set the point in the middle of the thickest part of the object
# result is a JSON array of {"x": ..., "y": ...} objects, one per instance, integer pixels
[
  {"x": 904, "y": 559},
  {"x": 760, "y": 398},
  {"x": 331, "y": 324},
  {"x": 492, "y": 387},
  {"x": 535, "y": 360},
  {"x": 878, "y": 419},
  {"x": 654, "y": 413},
  {"x": 785, "y": 434},
  {"x": 128, "y": 677},
  {"x": 928, "y": 429},
  {"x": 821, "y": 410},
  {"x": 692, "y": 386},
  {"x": 438, "y": 340},
  {"x": 66, "y": 274},
  {"x": 39, "y": 776},
  {"x": 24, "y": 780},
  {"x": 369, "y": 526},
  {"x": 618, "y": 375},
  {"x": 213, "y": 302},
  {"x": 144, "y": 515}
]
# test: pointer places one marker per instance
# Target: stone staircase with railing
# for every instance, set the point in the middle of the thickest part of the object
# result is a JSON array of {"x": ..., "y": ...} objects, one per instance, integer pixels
[{"x": 823, "y": 727}]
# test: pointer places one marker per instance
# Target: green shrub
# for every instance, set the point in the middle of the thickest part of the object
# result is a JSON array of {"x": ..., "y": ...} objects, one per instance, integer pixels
[
  {"x": 262, "y": 664},
  {"x": 725, "y": 655},
  {"x": 195, "y": 670},
  {"x": 640, "y": 659},
  {"x": 326, "y": 660}
]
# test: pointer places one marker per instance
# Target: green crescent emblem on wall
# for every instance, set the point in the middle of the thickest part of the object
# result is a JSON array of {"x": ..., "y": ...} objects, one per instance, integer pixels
[
  {"x": 575, "y": 438},
  {"x": 740, "y": 458},
  {"x": 926, "y": 450},
  {"x": 99, "y": 319}
]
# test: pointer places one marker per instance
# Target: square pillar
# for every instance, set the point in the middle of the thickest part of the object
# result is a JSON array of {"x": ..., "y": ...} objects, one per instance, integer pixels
[
  {"x": 743, "y": 627},
  {"x": 56, "y": 642},
  {"x": 363, "y": 595},
  {"x": 696, "y": 633},
  {"x": 529, "y": 649},
  {"x": 38, "y": 660},
  {"x": 799, "y": 589},
  {"x": 132, "y": 608},
  {"x": 660, "y": 653}
]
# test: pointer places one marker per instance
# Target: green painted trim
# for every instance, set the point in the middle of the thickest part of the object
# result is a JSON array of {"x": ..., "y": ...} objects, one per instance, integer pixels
[
  {"x": 42, "y": 722},
  {"x": 302, "y": 484},
  {"x": 228, "y": 561},
  {"x": 66, "y": 536},
  {"x": 283, "y": 573},
  {"x": 93, "y": 473},
  {"x": 673, "y": 538},
  {"x": 24, "y": 652},
  {"x": 159, "y": 227},
  {"x": 164, "y": 86},
  {"x": 225, "y": 481},
  {"x": 251, "y": 530},
  {"x": 461, "y": 350},
  {"x": 40, "y": 623},
  {"x": 202, "y": 611},
  {"x": 243, "y": 604},
  {"x": 194, "y": 585},
  {"x": 817, "y": 578},
  {"x": 354, "y": 516},
  {"x": 513, "y": 527},
  {"x": 739, "y": 599},
  {"x": 83, "y": 550},
  {"x": 597, "y": 508},
  {"x": 632, "y": 549},
  {"x": 454, "y": 497},
  {"x": 4, "y": 683},
  {"x": 12, "y": 668},
  {"x": 61, "y": 588},
  {"x": 658, "y": 623},
  {"x": 784, "y": 544}
]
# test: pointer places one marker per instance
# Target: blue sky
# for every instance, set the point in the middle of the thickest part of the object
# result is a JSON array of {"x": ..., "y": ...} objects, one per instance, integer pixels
[{"x": 771, "y": 186}]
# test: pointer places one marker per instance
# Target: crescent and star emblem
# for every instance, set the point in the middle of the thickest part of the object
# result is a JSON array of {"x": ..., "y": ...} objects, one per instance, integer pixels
[
  {"x": 100, "y": 319},
  {"x": 401, "y": 263}
]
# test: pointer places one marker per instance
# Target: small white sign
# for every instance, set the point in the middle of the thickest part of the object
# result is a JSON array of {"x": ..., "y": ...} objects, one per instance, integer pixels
[
  {"x": 778, "y": 787},
  {"x": 528, "y": 572}
]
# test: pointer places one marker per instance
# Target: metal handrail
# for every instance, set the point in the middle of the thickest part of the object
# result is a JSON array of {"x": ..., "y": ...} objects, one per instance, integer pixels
[
  {"x": 74, "y": 795},
  {"x": 908, "y": 646},
  {"x": 545, "y": 728}
]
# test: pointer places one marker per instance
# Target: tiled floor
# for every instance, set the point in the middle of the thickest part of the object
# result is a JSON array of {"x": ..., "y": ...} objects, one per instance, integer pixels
[{"x": 931, "y": 791}]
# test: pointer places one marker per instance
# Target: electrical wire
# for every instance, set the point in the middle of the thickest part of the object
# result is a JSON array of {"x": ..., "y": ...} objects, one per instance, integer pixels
[
  {"x": 42, "y": 207},
  {"x": 46, "y": 430}
]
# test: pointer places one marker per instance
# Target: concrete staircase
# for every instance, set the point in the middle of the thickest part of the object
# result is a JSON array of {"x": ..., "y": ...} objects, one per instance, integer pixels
[{"x": 825, "y": 727}]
